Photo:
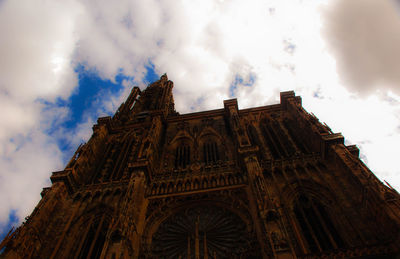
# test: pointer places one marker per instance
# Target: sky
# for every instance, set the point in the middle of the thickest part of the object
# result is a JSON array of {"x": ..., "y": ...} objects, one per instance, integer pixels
[{"x": 65, "y": 63}]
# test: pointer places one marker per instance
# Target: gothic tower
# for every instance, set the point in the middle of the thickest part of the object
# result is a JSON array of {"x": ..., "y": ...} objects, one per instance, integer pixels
[{"x": 264, "y": 182}]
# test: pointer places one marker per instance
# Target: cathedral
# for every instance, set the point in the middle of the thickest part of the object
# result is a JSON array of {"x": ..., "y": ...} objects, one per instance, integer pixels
[{"x": 263, "y": 182}]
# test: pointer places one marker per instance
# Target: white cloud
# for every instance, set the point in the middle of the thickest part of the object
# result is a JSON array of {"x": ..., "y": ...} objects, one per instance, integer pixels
[
  {"x": 25, "y": 163},
  {"x": 37, "y": 42}
]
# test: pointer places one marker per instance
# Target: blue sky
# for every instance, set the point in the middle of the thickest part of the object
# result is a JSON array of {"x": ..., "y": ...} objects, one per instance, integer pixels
[
  {"x": 91, "y": 91},
  {"x": 11, "y": 221},
  {"x": 86, "y": 100},
  {"x": 66, "y": 63}
]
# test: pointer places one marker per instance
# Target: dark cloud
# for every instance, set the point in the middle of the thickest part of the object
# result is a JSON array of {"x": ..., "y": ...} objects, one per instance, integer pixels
[{"x": 364, "y": 36}]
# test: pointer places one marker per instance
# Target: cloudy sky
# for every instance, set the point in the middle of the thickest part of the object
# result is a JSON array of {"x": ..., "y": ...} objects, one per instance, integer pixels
[{"x": 63, "y": 63}]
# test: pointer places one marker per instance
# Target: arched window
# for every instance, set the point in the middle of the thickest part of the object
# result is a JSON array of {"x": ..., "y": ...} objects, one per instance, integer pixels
[
  {"x": 316, "y": 225},
  {"x": 182, "y": 156},
  {"x": 94, "y": 238},
  {"x": 252, "y": 133},
  {"x": 210, "y": 152}
]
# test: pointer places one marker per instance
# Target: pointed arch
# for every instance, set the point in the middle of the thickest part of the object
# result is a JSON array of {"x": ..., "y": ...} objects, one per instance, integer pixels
[
  {"x": 230, "y": 180},
  {"x": 87, "y": 235},
  {"x": 210, "y": 131},
  {"x": 162, "y": 188},
  {"x": 181, "y": 149},
  {"x": 316, "y": 224},
  {"x": 222, "y": 181},
  {"x": 182, "y": 134},
  {"x": 205, "y": 183},
  {"x": 312, "y": 205},
  {"x": 93, "y": 240},
  {"x": 211, "y": 145},
  {"x": 196, "y": 184},
  {"x": 179, "y": 186},
  {"x": 154, "y": 189},
  {"x": 253, "y": 135},
  {"x": 131, "y": 134},
  {"x": 213, "y": 182},
  {"x": 170, "y": 187},
  {"x": 239, "y": 178},
  {"x": 187, "y": 185}
]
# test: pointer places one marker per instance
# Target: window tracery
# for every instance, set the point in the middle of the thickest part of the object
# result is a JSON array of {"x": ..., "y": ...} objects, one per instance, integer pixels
[
  {"x": 210, "y": 152},
  {"x": 94, "y": 237},
  {"x": 316, "y": 225},
  {"x": 182, "y": 156}
]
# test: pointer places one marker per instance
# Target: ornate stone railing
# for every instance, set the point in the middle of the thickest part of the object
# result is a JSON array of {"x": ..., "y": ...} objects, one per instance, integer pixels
[
  {"x": 300, "y": 159},
  {"x": 187, "y": 181}
]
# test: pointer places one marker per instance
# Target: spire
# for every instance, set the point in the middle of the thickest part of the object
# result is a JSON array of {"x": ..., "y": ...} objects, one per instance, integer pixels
[
  {"x": 157, "y": 98},
  {"x": 164, "y": 77}
]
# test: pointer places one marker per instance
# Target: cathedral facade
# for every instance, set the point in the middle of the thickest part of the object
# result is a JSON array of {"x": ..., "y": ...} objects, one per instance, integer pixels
[{"x": 264, "y": 182}]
